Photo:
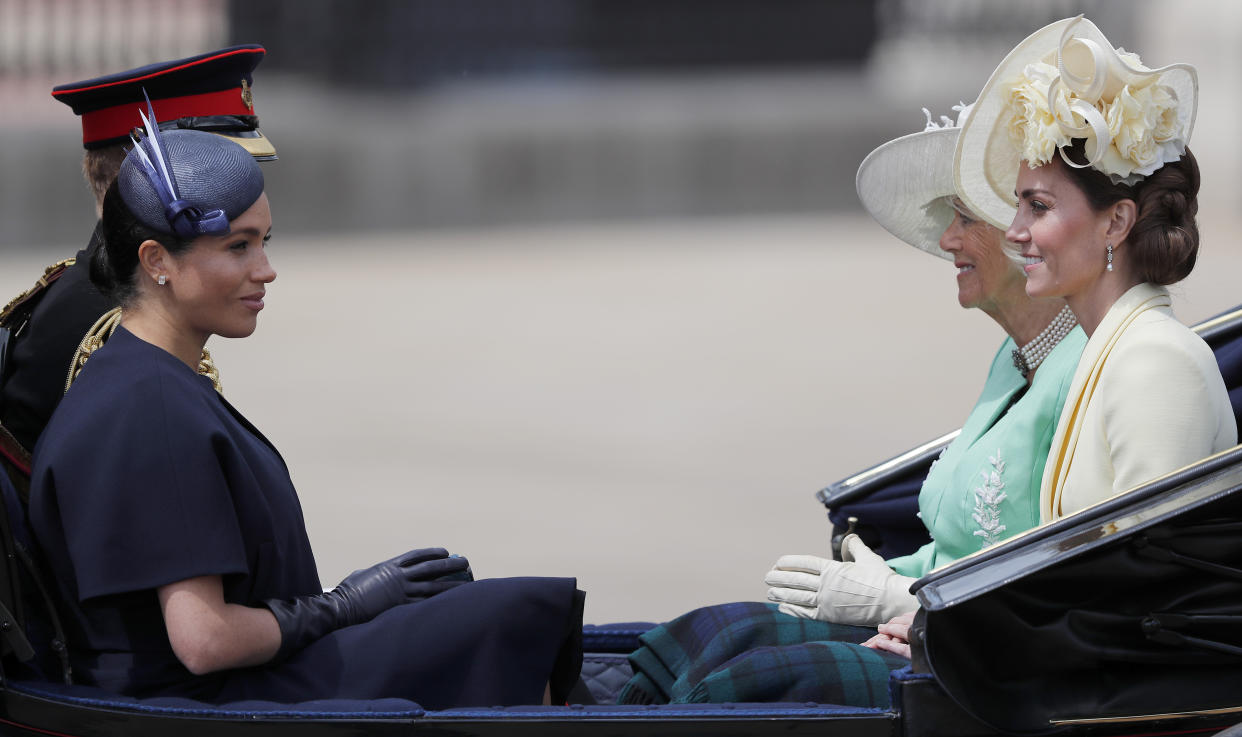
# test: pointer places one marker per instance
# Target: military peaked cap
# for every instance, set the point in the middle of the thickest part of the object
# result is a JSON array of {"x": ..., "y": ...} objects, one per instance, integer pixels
[{"x": 210, "y": 92}]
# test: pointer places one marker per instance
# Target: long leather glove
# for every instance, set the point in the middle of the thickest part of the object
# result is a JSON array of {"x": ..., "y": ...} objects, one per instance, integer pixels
[
  {"x": 365, "y": 594},
  {"x": 860, "y": 589}
]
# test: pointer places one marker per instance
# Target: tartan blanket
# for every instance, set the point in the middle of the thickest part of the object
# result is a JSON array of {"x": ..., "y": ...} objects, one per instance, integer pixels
[{"x": 750, "y": 651}]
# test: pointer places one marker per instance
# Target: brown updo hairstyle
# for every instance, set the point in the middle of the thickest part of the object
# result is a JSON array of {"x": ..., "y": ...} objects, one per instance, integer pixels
[{"x": 1164, "y": 242}]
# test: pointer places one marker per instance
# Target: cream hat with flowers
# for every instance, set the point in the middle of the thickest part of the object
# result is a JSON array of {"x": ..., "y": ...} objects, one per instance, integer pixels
[
  {"x": 906, "y": 183},
  {"x": 1066, "y": 81}
]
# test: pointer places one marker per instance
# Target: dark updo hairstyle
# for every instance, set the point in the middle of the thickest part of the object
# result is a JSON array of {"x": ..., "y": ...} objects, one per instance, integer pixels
[
  {"x": 114, "y": 265},
  {"x": 1164, "y": 241}
]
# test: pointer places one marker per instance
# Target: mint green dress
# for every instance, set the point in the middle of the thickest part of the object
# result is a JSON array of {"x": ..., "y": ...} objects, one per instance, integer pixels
[{"x": 985, "y": 485}]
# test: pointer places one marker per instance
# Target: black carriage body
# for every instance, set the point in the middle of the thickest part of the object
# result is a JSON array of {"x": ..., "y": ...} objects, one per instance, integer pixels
[{"x": 1085, "y": 626}]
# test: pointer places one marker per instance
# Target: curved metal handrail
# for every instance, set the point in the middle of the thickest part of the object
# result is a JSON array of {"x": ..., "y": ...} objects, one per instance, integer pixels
[{"x": 883, "y": 473}]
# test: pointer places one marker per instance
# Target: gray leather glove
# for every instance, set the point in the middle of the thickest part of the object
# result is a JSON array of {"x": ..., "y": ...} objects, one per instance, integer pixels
[{"x": 365, "y": 594}]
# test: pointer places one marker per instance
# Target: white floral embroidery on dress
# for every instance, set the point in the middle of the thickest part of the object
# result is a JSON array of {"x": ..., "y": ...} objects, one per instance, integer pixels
[{"x": 988, "y": 498}]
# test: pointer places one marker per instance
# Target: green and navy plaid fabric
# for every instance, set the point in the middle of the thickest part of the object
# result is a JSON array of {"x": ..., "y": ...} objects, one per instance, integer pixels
[{"x": 749, "y": 651}]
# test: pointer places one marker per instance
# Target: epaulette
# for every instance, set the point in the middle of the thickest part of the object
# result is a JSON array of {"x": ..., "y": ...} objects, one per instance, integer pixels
[
  {"x": 13, "y": 319},
  {"x": 15, "y": 305}
]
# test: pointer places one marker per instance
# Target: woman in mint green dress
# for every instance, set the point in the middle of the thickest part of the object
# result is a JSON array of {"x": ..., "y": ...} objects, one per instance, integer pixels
[
  {"x": 985, "y": 485},
  {"x": 983, "y": 489}
]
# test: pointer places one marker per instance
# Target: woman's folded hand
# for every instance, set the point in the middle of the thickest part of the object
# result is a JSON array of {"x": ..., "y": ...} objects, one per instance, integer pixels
[
  {"x": 365, "y": 594},
  {"x": 893, "y": 636}
]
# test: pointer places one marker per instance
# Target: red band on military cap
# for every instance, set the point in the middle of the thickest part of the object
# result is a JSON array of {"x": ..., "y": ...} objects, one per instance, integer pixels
[{"x": 119, "y": 120}]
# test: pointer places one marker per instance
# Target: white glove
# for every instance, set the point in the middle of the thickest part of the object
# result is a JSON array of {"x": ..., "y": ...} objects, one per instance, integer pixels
[{"x": 861, "y": 589}]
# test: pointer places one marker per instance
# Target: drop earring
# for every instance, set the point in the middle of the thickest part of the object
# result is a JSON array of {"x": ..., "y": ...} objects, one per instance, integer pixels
[
  {"x": 1106, "y": 268},
  {"x": 163, "y": 279}
]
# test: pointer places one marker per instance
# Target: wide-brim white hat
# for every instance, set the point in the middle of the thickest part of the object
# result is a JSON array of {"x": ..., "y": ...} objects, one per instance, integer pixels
[
  {"x": 904, "y": 184},
  {"x": 985, "y": 165}
]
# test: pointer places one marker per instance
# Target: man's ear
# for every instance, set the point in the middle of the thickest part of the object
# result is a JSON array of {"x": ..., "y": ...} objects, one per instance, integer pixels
[
  {"x": 1121, "y": 217},
  {"x": 154, "y": 259}
]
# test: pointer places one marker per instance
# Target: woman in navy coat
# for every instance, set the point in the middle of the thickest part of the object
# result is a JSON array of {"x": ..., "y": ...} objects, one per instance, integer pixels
[{"x": 171, "y": 525}]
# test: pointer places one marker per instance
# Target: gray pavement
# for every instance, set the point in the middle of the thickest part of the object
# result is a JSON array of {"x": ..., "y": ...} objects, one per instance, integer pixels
[{"x": 648, "y": 407}]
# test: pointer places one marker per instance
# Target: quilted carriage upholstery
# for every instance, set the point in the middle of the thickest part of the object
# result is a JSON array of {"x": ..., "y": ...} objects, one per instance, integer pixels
[{"x": 605, "y": 668}]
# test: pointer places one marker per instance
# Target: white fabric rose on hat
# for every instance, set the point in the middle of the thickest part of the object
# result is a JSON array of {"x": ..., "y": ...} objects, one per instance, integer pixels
[
  {"x": 1130, "y": 122},
  {"x": 1033, "y": 129},
  {"x": 1141, "y": 121}
]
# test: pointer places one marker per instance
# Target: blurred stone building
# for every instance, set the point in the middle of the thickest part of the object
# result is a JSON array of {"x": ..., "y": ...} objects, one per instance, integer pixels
[{"x": 396, "y": 114}]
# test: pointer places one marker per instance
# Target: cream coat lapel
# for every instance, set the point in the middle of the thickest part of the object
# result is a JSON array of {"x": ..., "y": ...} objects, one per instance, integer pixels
[{"x": 1134, "y": 302}]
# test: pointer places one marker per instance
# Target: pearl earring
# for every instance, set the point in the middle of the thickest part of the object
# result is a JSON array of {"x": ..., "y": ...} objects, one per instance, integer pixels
[
  {"x": 1106, "y": 268},
  {"x": 163, "y": 278}
]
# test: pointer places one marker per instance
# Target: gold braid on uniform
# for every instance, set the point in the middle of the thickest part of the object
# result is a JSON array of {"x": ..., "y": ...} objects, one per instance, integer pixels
[
  {"x": 208, "y": 368},
  {"x": 103, "y": 329}
]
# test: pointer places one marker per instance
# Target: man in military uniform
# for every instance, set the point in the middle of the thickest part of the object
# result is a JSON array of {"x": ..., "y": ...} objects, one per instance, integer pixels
[{"x": 40, "y": 331}]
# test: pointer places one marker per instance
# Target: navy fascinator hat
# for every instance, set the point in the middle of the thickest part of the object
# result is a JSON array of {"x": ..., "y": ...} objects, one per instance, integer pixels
[{"x": 187, "y": 182}]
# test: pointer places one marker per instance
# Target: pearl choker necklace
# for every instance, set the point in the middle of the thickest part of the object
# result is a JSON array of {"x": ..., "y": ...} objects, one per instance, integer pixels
[{"x": 1027, "y": 358}]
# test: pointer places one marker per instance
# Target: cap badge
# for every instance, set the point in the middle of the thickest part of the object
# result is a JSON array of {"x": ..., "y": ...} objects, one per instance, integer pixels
[{"x": 247, "y": 96}]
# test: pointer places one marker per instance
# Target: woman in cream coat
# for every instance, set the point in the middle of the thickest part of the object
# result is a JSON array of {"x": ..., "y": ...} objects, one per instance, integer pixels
[{"x": 1106, "y": 201}]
